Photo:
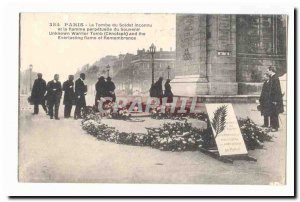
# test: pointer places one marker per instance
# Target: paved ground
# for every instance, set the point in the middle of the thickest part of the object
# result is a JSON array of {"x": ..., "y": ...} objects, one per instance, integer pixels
[{"x": 60, "y": 151}]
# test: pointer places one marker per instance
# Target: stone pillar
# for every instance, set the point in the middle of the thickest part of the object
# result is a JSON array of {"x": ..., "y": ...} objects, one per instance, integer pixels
[
  {"x": 205, "y": 55},
  {"x": 221, "y": 54},
  {"x": 190, "y": 68}
]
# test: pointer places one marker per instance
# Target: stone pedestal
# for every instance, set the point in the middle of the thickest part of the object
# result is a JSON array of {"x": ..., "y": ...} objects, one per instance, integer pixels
[{"x": 190, "y": 85}]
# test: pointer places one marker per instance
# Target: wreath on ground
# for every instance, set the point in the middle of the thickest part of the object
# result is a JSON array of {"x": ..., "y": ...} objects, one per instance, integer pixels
[{"x": 178, "y": 136}]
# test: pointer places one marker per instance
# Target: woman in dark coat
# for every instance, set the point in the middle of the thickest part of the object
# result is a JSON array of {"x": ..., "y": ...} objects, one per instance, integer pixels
[
  {"x": 168, "y": 91},
  {"x": 110, "y": 89},
  {"x": 264, "y": 100},
  {"x": 156, "y": 89},
  {"x": 100, "y": 89}
]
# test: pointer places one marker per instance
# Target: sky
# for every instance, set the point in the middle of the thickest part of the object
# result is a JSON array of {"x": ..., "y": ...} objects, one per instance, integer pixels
[{"x": 49, "y": 55}]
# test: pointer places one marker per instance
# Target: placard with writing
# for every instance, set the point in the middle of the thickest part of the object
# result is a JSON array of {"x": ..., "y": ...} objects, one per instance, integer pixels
[{"x": 226, "y": 130}]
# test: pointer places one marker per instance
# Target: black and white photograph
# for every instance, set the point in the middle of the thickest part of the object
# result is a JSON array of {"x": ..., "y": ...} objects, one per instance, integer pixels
[
  {"x": 137, "y": 102},
  {"x": 153, "y": 98}
]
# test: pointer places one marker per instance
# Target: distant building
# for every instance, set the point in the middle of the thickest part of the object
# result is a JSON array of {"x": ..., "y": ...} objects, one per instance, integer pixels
[
  {"x": 122, "y": 74},
  {"x": 141, "y": 68},
  {"x": 97, "y": 69},
  {"x": 103, "y": 62},
  {"x": 131, "y": 73},
  {"x": 122, "y": 62}
]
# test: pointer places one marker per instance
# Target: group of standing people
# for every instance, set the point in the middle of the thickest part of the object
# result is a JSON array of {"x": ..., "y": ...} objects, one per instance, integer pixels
[
  {"x": 104, "y": 89},
  {"x": 271, "y": 102},
  {"x": 49, "y": 95},
  {"x": 156, "y": 90}
]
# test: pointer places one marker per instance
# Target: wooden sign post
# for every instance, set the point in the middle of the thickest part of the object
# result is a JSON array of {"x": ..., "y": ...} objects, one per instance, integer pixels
[{"x": 227, "y": 134}]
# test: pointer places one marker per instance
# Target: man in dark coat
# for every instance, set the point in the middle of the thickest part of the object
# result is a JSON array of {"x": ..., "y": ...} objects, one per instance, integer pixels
[
  {"x": 80, "y": 92},
  {"x": 37, "y": 93},
  {"x": 110, "y": 89},
  {"x": 168, "y": 92},
  {"x": 54, "y": 92},
  {"x": 69, "y": 96},
  {"x": 100, "y": 90},
  {"x": 264, "y": 100},
  {"x": 276, "y": 102},
  {"x": 156, "y": 89}
]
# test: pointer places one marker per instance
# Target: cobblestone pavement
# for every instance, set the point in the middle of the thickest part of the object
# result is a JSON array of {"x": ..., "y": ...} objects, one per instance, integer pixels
[{"x": 60, "y": 151}]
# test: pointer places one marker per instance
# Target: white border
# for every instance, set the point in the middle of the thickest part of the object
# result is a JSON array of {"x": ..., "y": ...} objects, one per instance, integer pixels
[{"x": 10, "y": 31}]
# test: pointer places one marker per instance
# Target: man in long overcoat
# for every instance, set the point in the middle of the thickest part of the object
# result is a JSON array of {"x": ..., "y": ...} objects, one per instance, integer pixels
[
  {"x": 156, "y": 89},
  {"x": 264, "y": 100},
  {"x": 38, "y": 92},
  {"x": 100, "y": 90},
  {"x": 69, "y": 96},
  {"x": 80, "y": 92},
  {"x": 54, "y": 93},
  {"x": 110, "y": 89},
  {"x": 168, "y": 91},
  {"x": 276, "y": 102}
]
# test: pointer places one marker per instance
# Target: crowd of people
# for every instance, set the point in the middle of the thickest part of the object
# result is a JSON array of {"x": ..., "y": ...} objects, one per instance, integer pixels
[
  {"x": 156, "y": 90},
  {"x": 49, "y": 95}
]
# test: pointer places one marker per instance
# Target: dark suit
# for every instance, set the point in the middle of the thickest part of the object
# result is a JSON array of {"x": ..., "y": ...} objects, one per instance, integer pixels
[
  {"x": 276, "y": 102},
  {"x": 69, "y": 97},
  {"x": 265, "y": 102},
  {"x": 37, "y": 94},
  {"x": 168, "y": 92},
  {"x": 100, "y": 90},
  {"x": 156, "y": 90},
  {"x": 110, "y": 90},
  {"x": 80, "y": 91},
  {"x": 54, "y": 92}
]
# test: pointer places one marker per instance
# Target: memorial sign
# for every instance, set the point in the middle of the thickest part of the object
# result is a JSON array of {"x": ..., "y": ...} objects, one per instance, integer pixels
[{"x": 225, "y": 129}]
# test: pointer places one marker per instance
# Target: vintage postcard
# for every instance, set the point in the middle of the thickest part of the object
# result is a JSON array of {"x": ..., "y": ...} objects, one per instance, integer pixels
[{"x": 153, "y": 98}]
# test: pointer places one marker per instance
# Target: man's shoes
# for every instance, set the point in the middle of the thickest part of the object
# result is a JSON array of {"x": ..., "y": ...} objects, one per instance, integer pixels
[
  {"x": 56, "y": 118},
  {"x": 34, "y": 113},
  {"x": 51, "y": 117}
]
